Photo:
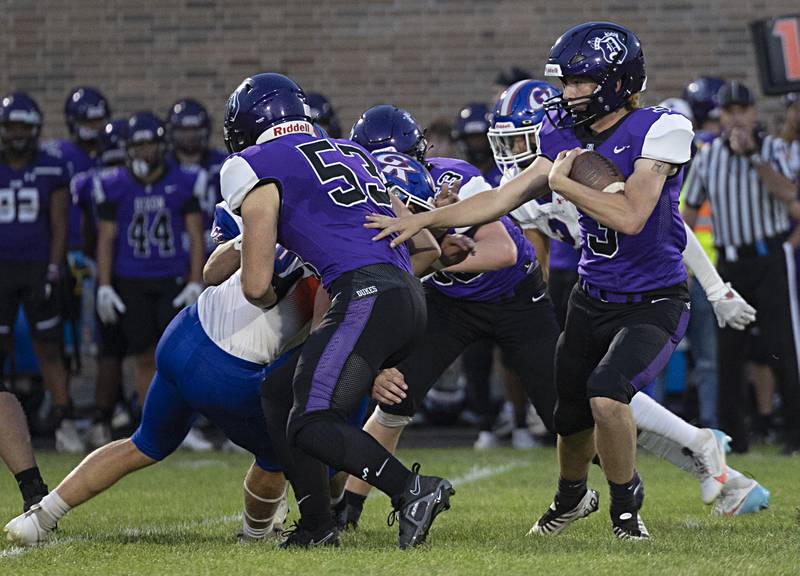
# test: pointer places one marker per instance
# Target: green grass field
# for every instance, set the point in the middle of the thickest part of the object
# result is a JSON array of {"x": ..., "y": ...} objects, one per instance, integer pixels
[{"x": 181, "y": 516}]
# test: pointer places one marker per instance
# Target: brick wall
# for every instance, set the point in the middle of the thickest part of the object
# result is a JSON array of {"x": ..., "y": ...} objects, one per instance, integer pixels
[{"x": 431, "y": 56}]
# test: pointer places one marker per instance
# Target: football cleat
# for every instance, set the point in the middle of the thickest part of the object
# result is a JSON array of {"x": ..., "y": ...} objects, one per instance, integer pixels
[
  {"x": 522, "y": 439},
  {"x": 424, "y": 498},
  {"x": 299, "y": 537},
  {"x": 629, "y": 526},
  {"x": 99, "y": 435},
  {"x": 741, "y": 496},
  {"x": 68, "y": 439},
  {"x": 347, "y": 517},
  {"x": 557, "y": 518},
  {"x": 487, "y": 440},
  {"x": 196, "y": 441},
  {"x": 30, "y": 528},
  {"x": 709, "y": 464}
]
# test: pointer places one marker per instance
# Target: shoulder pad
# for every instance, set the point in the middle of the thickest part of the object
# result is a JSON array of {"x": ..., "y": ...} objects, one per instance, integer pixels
[
  {"x": 669, "y": 138},
  {"x": 237, "y": 179}
]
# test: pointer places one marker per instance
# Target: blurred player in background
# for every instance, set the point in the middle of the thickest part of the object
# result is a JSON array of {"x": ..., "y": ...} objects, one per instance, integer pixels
[
  {"x": 150, "y": 242},
  {"x": 188, "y": 138},
  {"x": 323, "y": 114},
  {"x": 34, "y": 184}
]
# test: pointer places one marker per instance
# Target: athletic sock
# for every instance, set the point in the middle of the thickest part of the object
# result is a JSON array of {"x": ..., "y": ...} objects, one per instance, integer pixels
[
  {"x": 652, "y": 416},
  {"x": 570, "y": 491},
  {"x": 355, "y": 500},
  {"x": 55, "y": 508},
  {"x": 623, "y": 498},
  {"x": 30, "y": 483}
]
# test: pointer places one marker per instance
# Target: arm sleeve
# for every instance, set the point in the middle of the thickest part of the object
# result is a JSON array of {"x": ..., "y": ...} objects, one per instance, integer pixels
[
  {"x": 669, "y": 139},
  {"x": 106, "y": 207},
  {"x": 226, "y": 224},
  {"x": 697, "y": 261},
  {"x": 237, "y": 179}
]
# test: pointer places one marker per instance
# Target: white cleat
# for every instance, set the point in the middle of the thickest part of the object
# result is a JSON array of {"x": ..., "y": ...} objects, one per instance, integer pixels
[
  {"x": 68, "y": 439},
  {"x": 710, "y": 467},
  {"x": 487, "y": 440},
  {"x": 30, "y": 528},
  {"x": 99, "y": 435},
  {"x": 522, "y": 439},
  {"x": 741, "y": 495},
  {"x": 195, "y": 441}
]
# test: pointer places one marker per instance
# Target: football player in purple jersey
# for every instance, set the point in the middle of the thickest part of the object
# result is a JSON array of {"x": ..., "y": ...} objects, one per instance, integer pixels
[
  {"x": 629, "y": 310},
  {"x": 469, "y": 133},
  {"x": 150, "y": 248},
  {"x": 33, "y": 222},
  {"x": 188, "y": 132},
  {"x": 311, "y": 194}
]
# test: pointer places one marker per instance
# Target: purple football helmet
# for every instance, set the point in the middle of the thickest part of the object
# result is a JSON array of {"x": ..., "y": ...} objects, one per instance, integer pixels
[{"x": 606, "y": 53}]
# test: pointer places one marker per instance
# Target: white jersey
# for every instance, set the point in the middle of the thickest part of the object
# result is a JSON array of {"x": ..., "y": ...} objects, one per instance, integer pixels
[
  {"x": 247, "y": 331},
  {"x": 535, "y": 215}
]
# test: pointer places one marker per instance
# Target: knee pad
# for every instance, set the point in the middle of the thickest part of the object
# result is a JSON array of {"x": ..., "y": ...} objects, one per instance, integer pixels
[
  {"x": 572, "y": 416},
  {"x": 391, "y": 420},
  {"x": 608, "y": 382}
]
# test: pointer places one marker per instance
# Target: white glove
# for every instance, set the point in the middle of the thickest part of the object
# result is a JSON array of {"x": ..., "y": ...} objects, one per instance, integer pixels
[
  {"x": 731, "y": 309},
  {"x": 109, "y": 305},
  {"x": 189, "y": 295}
]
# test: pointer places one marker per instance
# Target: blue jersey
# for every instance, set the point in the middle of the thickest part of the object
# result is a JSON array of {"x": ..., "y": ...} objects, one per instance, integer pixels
[
  {"x": 77, "y": 161},
  {"x": 151, "y": 228},
  {"x": 652, "y": 259},
  {"x": 25, "y": 206},
  {"x": 327, "y": 187},
  {"x": 486, "y": 286}
]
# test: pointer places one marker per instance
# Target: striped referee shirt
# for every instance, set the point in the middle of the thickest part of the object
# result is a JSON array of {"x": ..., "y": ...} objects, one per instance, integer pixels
[{"x": 743, "y": 211}]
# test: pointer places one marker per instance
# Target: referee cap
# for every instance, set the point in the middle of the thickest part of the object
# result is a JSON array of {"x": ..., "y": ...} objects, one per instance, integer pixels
[{"x": 735, "y": 93}]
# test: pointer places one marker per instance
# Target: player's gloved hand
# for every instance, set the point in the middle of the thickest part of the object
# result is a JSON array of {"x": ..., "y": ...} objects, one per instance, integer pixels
[
  {"x": 109, "y": 305},
  {"x": 188, "y": 296},
  {"x": 731, "y": 309},
  {"x": 455, "y": 249},
  {"x": 389, "y": 387},
  {"x": 288, "y": 270}
]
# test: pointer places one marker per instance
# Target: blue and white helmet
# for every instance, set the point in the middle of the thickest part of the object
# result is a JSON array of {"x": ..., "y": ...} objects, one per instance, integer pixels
[
  {"x": 407, "y": 179},
  {"x": 517, "y": 118}
]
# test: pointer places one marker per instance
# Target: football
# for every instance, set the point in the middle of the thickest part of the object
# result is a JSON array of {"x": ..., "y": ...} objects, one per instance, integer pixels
[{"x": 594, "y": 170}]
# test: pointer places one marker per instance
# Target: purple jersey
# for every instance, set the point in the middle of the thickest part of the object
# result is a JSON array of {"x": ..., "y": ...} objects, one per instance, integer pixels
[
  {"x": 77, "y": 161},
  {"x": 151, "y": 227},
  {"x": 486, "y": 286},
  {"x": 652, "y": 259},
  {"x": 212, "y": 163},
  {"x": 327, "y": 188},
  {"x": 563, "y": 256},
  {"x": 25, "y": 206}
]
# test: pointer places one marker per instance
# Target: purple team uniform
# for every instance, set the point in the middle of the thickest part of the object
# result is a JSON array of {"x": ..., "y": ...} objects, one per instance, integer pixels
[
  {"x": 151, "y": 251},
  {"x": 25, "y": 238},
  {"x": 630, "y": 309},
  {"x": 77, "y": 161},
  {"x": 508, "y": 307}
]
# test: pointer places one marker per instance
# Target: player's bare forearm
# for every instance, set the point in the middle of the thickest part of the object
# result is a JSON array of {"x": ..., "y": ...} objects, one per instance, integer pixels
[
  {"x": 776, "y": 183},
  {"x": 58, "y": 226},
  {"x": 106, "y": 233},
  {"x": 494, "y": 250},
  {"x": 223, "y": 261},
  {"x": 194, "y": 226},
  {"x": 260, "y": 230}
]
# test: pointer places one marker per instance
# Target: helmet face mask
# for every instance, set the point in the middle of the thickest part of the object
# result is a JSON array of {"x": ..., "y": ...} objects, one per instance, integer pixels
[
  {"x": 20, "y": 125},
  {"x": 390, "y": 128},
  {"x": 145, "y": 145},
  {"x": 87, "y": 112},
  {"x": 188, "y": 127},
  {"x": 516, "y": 121}
]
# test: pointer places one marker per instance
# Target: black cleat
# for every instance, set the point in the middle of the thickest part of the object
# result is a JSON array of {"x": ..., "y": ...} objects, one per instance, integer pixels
[
  {"x": 33, "y": 494},
  {"x": 558, "y": 517},
  {"x": 347, "y": 517},
  {"x": 299, "y": 537},
  {"x": 417, "y": 507},
  {"x": 627, "y": 524}
]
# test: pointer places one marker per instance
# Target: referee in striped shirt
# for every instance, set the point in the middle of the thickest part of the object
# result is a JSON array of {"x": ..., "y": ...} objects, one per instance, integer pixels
[{"x": 746, "y": 177}]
